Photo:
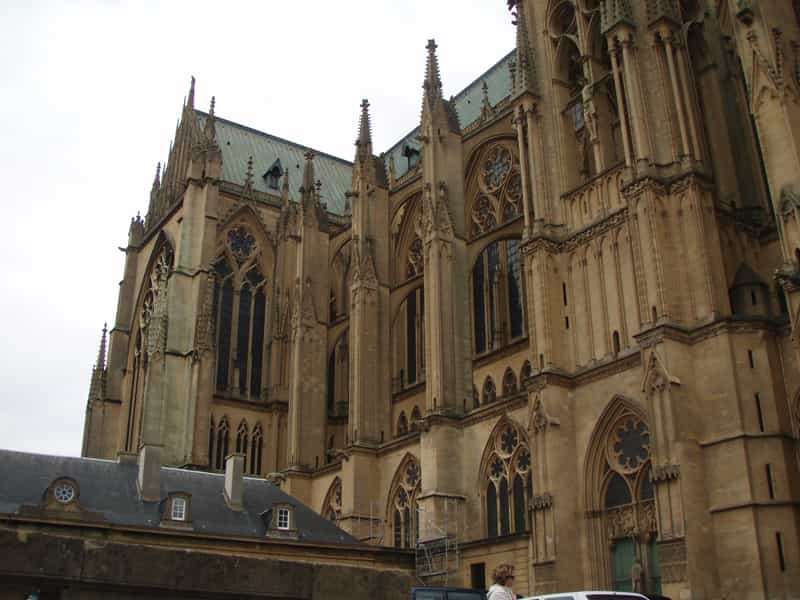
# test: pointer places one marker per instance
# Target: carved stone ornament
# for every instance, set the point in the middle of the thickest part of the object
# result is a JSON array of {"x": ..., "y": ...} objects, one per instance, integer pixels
[
  {"x": 241, "y": 243},
  {"x": 540, "y": 420},
  {"x": 496, "y": 167}
]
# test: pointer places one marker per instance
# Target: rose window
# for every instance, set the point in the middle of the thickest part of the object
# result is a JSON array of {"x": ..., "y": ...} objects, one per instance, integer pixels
[
  {"x": 241, "y": 243},
  {"x": 509, "y": 440},
  {"x": 64, "y": 492},
  {"x": 631, "y": 444},
  {"x": 496, "y": 168}
]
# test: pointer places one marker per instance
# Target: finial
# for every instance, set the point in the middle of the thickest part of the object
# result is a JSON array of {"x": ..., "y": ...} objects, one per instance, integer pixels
[
  {"x": 486, "y": 106},
  {"x": 285, "y": 188},
  {"x": 210, "y": 130},
  {"x": 213, "y": 103},
  {"x": 525, "y": 80},
  {"x": 307, "y": 188},
  {"x": 248, "y": 178},
  {"x": 433, "y": 82},
  {"x": 190, "y": 102},
  {"x": 157, "y": 180}
]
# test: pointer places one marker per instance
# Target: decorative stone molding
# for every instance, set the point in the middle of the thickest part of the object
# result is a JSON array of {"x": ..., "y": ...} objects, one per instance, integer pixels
[
  {"x": 665, "y": 472},
  {"x": 542, "y": 502}
]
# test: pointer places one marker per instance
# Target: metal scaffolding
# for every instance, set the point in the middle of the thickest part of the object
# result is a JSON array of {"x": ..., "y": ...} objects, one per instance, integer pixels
[{"x": 437, "y": 550}]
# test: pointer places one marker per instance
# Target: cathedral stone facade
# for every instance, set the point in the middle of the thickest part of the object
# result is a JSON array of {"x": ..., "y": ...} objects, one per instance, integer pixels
[{"x": 555, "y": 325}]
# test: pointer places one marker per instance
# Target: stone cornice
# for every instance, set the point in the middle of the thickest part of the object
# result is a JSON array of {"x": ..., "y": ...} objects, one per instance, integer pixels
[
  {"x": 679, "y": 333},
  {"x": 496, "y": 408}
]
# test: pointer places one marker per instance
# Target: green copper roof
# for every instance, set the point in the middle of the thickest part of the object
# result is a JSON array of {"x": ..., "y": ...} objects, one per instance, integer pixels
[
  {"x": 468, "y": 107},
  {"x": 238, "y": 143}
]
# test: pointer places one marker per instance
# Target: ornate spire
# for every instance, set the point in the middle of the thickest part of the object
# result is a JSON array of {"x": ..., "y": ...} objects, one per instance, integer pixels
[
  {"x": 486, "y": 106},
  {"x": 364, "y": 141},
  {"x": 190, "y": 101},
  {"x": 285, "y": 188},
  {"x": 525, "y": 75},
  {"x": 433, "y": 82},
  {"x": 247, "y": 191},
  {"x": 97, "y": 384},
  {"x": 157, "y": 178},
  {"x": 307, "y": 189},
  {"x": 210, "y": 129},
  {"x": 101, "y": 353},
  {"x": 433, "y": 101}
]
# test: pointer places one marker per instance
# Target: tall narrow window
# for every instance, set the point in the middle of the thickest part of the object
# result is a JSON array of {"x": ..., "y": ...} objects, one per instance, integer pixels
[
  {"x": 408, "y": 333},
  {"x": 519, "y": 505},
  {"x": 224, "y": 302},
  {"x": 256, "y": 450},
  {"x": 221, "y": 443},
  {"x": 242, "y": 441},
  {"x": 404, "y": 507},
  {"x": 491, "y": 510},
  {"x": 497, "y": 296},
  {"x": 750, "y": 359},
  {"x": 770, "y": 482},
  {"x": 759, "y": 412},
  {"x": 781, "y": 555}
]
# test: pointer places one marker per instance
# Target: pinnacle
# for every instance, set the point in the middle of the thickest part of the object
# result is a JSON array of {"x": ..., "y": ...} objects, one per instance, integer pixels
[
  {"x": 364, "y": 141},
  {"x": 248, "y": 178},
  {"x": 213, "y": 103},
  {"x": 190, "y": 102},
  {"x": 308, "y": 175},
  {"x": 433, "y": 82},
  {"x": 157, "y": 180},
  {"x": 525, "y": 80}
]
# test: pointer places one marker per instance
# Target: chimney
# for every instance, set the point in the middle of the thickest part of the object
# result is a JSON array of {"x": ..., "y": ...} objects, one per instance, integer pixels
[
  {"x": 149, "y": 480},
  {"x": 234, "y": 467}
]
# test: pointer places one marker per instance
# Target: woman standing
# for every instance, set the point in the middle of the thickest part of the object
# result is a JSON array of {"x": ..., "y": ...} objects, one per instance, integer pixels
[{"x": 503, "y": 576}]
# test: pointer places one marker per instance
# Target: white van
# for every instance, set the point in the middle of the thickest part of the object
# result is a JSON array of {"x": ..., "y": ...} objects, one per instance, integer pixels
[{"x": 589, "y": 596}]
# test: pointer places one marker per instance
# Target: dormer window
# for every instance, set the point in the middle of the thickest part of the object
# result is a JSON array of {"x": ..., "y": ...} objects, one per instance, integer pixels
[
  {"x": 273, "y": 175},
  {"x": 178, "y": 511},
  {"x": 412, "y": 154},
  {"x": 284, "y": 520}
]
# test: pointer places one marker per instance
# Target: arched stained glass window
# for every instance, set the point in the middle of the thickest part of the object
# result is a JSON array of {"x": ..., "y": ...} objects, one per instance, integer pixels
[
  {"x": 504, "y": 507},
  {"x": 491, "y": 510},
  {"x": 519, "y": 505},
  {"x": 497, "y": 297}
]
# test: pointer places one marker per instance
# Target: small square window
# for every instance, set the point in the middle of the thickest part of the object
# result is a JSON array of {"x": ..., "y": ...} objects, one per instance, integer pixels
[
  {"x": 179, "y": 509},
  {"x": 284, "y": 520}
]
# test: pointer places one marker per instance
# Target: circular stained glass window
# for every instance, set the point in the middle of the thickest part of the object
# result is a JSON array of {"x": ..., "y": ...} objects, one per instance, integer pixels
[{"x": 64, "y": 492}]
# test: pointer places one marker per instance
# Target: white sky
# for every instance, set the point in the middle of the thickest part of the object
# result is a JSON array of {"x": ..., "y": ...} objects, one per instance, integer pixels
[{"x": 91, "y": 92}]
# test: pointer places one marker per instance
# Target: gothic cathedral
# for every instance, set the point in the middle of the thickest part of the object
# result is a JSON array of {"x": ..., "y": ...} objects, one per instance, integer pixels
[{"x": 555, "y": 325}]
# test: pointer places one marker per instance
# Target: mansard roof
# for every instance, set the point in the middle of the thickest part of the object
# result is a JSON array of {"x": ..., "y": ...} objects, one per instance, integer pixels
[
  {"x": 468, "y": 107},
  {"x": 239, "y": 142},
  {"x": 107, "y": 490}
]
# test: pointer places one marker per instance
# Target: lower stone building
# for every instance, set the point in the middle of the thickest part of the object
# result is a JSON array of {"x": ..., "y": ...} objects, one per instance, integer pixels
[
  {"x": 554, "y": 325},
  {"x": 76, "y": 528}
]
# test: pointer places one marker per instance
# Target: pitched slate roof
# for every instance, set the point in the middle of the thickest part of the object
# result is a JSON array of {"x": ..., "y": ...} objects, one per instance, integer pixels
[
  {"x": 108, "y": 488},
  {"x": 239, "y": 142},
  {"x": 468, "y": 107}
]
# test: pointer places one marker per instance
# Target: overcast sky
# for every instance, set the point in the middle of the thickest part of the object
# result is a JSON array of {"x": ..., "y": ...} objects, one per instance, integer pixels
[{"x": 90, "y": 94}]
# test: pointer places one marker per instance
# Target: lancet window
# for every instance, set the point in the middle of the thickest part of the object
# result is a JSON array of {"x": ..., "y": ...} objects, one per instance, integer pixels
[
  {"x": 489, "y": 393},
  {"x": 240, "y": 303},
  {"x": 507, "y": 481},
  {"x": 408, "y": 339},
  {"x": 256, "y": 450},
  {"x": 402, "y": 424},
  {"x": 339, "y": 377},
  {"x": 497, "y": 297},
  {"x": 243, "y": 441},
  {"x": 218, "y": 443},
  {"x": 403, "y": 506},
  {"x": 499, "y": 197},
  {"x": 509, "y": 383}
]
